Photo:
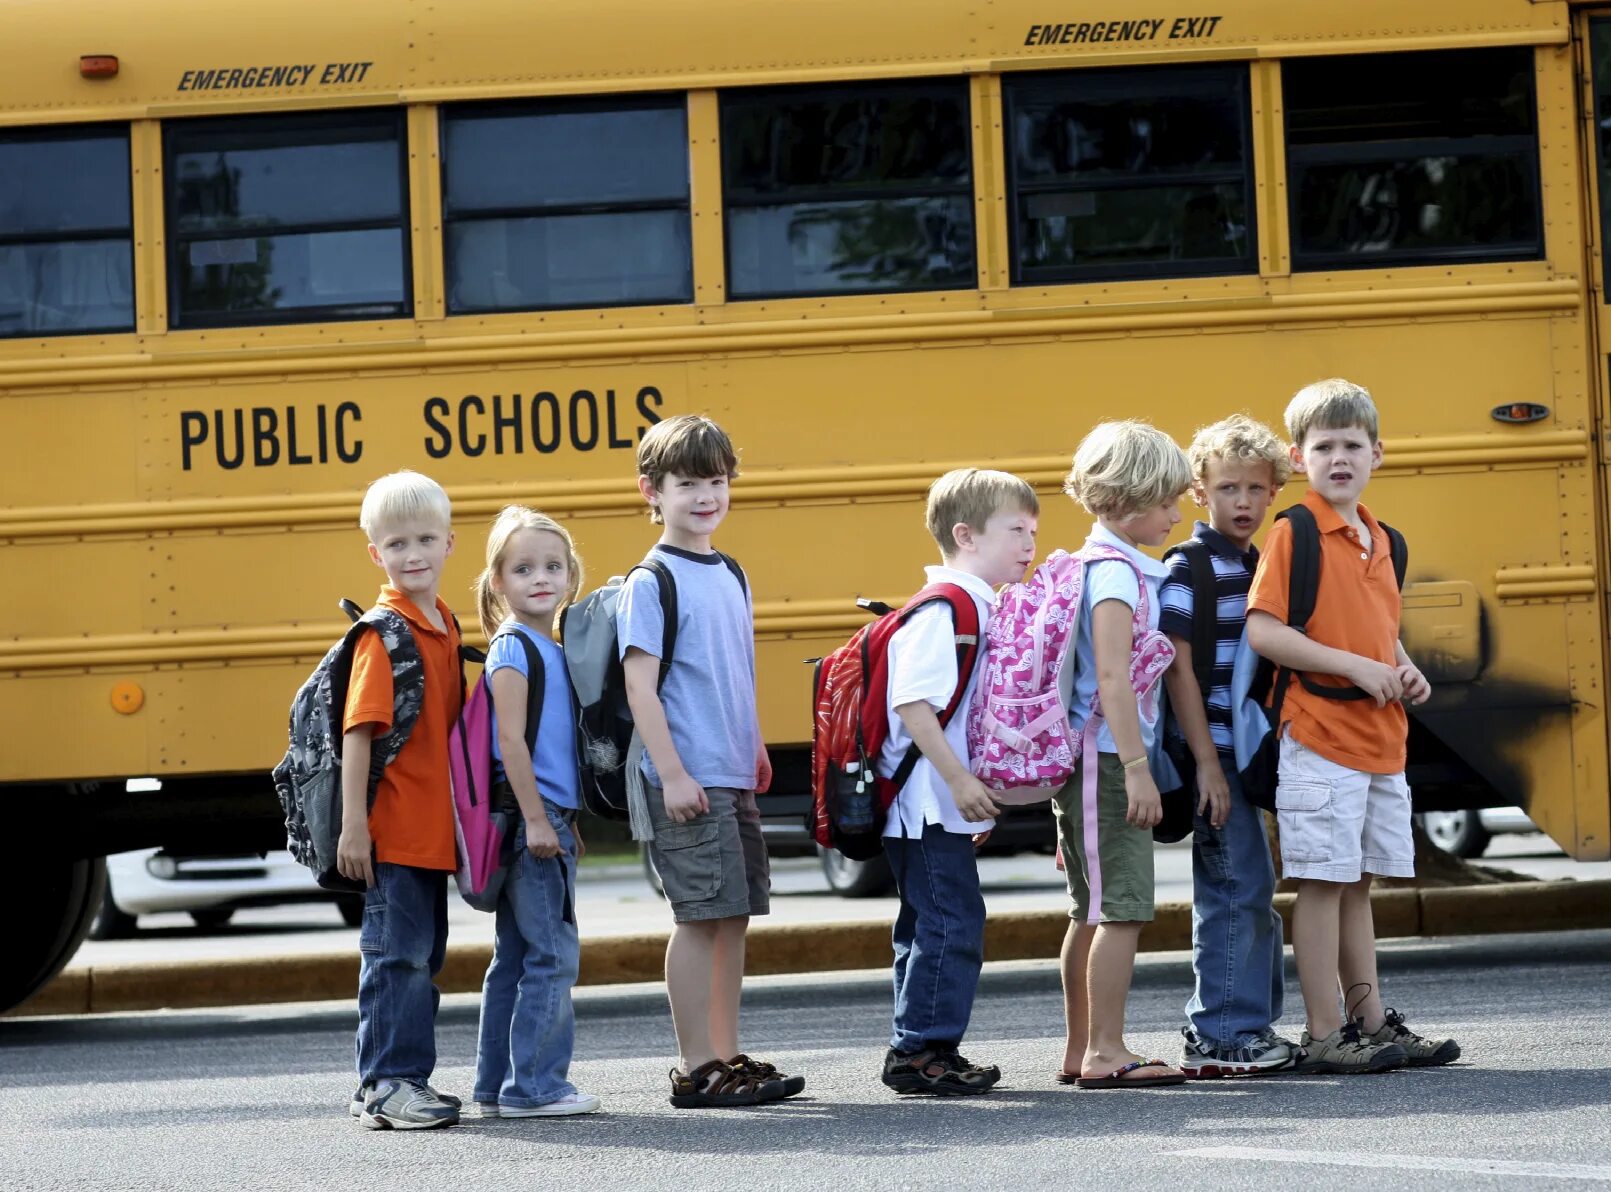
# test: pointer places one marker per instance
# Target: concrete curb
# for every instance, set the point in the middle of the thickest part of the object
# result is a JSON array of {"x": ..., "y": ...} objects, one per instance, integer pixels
[{"x": 792, "y": 948}]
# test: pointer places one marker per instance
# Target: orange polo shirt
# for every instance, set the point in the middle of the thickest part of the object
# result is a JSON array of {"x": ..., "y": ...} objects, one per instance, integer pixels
[
  {"x": 411, "y": 821},
  {"x": 1356, "y": 609}
]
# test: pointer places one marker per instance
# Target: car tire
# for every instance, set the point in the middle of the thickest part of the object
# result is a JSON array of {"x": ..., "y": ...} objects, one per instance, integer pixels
[
  {"x": 213, "y": 917},
  {"x": 1457, "y": 832},
  {"x": 855, "y": 879},
  {"x": 110, "y": 922},
  {"x": 351, "y": 907}
]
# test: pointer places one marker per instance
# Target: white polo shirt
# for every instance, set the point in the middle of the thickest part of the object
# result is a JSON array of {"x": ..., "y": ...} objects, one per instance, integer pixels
[{"x": 923, "y": 666}]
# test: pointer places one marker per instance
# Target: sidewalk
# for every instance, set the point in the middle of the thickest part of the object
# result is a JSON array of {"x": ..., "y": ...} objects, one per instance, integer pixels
[{"x": 793, "y": 948}]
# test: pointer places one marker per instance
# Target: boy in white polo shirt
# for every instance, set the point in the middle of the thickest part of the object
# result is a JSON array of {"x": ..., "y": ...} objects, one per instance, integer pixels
[{"x": 984, "y": 523}]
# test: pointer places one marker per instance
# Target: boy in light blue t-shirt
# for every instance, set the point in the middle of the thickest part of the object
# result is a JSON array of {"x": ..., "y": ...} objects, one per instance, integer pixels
[{"x": 703, "y": 762}]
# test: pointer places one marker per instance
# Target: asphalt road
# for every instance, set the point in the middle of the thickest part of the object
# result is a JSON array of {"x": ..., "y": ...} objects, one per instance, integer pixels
[
  {"x": 253, "y": 1098},
  {"x": 616, "y": 900}
]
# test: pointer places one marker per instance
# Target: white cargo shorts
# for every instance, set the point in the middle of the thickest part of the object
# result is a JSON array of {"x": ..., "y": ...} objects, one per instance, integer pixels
[{"x": 1337, "y": 823}]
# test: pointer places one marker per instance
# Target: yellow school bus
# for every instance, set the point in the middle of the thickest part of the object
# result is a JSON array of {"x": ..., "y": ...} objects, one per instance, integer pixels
[{"x": 253, "y": 256}]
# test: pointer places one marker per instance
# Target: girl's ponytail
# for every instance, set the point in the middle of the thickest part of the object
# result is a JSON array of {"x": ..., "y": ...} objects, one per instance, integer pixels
[{"x": 490, "y": 606}]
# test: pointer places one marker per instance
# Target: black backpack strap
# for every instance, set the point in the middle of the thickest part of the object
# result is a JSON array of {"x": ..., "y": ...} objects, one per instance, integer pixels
[
  {"x": 1204, "y": 611},
  {"x": 536, "y": 685},
  {"x": 668, "y": 612},
  {"x": 1399, "y": 551},
  {"x": 738, "y": 572},
  {"x": 407, "y": 671}
]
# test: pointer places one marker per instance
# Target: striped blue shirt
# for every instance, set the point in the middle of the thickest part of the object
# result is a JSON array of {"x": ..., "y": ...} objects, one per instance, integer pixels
[{"x": 1233, "y": 576}]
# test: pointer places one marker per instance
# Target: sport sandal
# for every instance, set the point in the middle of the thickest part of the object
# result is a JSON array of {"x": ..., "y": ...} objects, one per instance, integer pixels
[
  {"x": 717, "y": 1084},
  {"x": 937, "y": 1072},
  {"x": 1422, "y": 1052},
  {"x": 761, "y": 1070}
]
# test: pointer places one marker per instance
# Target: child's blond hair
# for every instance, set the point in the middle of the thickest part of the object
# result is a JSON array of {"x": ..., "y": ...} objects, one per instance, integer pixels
[
  {"x": 970, "y": 497},
  {"x": 1332, "y": 404},
  {"x": 404, "y": 497},
  {"x": 1239, "y": 440},
  {"x": 1121, "y": 468},
  {"x": 688, "y": 445},
  {"x": 490, "y": 604}
]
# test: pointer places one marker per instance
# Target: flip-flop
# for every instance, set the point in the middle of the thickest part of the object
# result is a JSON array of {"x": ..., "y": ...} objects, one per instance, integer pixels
[
  {"x": 1116, "y": 1079},
  {"x": 1066, "y": 1077}
]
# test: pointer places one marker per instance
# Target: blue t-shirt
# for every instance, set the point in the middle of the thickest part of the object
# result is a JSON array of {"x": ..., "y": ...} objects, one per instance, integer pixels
[
  {"x": 553, "y": 762},
  {"x": 709, "y": 693}
]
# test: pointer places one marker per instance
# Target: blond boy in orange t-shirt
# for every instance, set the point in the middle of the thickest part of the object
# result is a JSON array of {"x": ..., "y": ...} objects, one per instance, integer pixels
[
  {"x": 402, "y": 846},
  {"x": 1341, "y": 800}
]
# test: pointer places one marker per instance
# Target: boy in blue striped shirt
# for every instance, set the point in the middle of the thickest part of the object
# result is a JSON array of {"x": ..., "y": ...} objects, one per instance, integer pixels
[{"x": 1238, "y": 465}]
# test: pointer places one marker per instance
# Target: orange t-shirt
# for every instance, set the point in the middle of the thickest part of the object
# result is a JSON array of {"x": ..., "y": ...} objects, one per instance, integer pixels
[
  {"x": 411, "y": 821},
  {"x": 1356, "y": 609}
]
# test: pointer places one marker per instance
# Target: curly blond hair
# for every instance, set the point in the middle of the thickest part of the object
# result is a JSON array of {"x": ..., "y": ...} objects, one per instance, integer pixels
[{"x": 1239, "y": 439}]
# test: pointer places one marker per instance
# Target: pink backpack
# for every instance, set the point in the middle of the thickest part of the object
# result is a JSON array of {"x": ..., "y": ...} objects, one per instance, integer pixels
[
  {"x": 483, "y": 823},
  {"x": 1018, "y": 724}
]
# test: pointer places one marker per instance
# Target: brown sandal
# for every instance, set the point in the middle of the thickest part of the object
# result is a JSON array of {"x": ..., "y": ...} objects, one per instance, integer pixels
[
  {"x": 717, "y": 1083},
  {"x": 764, "y": 1071}
]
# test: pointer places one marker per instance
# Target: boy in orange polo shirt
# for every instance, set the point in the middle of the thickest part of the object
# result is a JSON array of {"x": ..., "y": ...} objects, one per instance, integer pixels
[
  {"x": 402, "y": 848},
  {"x": 1341, "y": 800}
]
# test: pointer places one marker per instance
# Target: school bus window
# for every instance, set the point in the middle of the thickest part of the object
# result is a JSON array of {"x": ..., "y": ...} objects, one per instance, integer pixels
[
  {"x": 286, "y": 219},
  {"x": 66, "y": 248},
  {"x": 841, "y": 190},
  {"x": 1600, "y": 60},
  {"x": 1130, "y": 173},
  {"x": 1422, "y": 158},
  {"x": 567, "y": 205}
]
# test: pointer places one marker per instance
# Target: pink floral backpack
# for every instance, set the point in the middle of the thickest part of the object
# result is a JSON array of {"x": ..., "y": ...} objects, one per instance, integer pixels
[{"x": 1018, "y": 725}]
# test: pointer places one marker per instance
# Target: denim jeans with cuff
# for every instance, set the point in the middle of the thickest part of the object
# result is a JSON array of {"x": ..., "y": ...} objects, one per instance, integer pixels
[
  {"x": 938, "y": 937},
  {"x": 1235, "y": 931},
  {"x": 528, "y": 1025},
  {"x": 401, "y": 947}
]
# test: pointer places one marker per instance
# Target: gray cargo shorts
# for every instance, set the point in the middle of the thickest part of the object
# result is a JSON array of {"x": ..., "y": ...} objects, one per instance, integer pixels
[{"x": 715, "y": 865}]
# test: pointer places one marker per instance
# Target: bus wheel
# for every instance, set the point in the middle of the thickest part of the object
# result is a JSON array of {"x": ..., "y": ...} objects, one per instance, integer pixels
[{"x": 65, "y": 896}]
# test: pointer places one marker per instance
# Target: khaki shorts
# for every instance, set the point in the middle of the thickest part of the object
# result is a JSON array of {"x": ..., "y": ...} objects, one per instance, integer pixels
[
  {"x": 1338, "y": 824},
  {"x": 715, "y": 865},
  {"x": 1124, "y": 852}
]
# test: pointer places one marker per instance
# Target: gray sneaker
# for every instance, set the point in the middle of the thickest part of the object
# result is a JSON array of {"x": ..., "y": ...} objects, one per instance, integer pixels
[
  {"x": 1422, "y": 1052},
  {"x": 1343, "y": 1051},
  {"x": 356, "y": 1106},
  {"x": 393, "y": 1104},
  {"x": 1202, "y": 1060}
]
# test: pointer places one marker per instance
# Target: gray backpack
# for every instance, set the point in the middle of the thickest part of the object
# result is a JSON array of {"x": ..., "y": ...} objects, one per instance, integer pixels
[
  {"x": 607, "y": 745},
  {"x": 308, "y": 779}
]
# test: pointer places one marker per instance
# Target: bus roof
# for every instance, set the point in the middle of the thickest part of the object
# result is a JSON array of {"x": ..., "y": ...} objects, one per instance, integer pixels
[{"x": 179, "y": 58}]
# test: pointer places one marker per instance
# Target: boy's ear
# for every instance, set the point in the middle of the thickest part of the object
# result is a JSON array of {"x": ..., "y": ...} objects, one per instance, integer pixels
[
  {"x": 1199, "y": 494},
  {"x": 647, "y": 489},
  {"x": 1295, "y": 455},
  {"x": 374, "y": 555},
  {"x": 1376, "y": 455},
  {"x": 962, "y": 535},
  {"x": 449, "y": 542}
]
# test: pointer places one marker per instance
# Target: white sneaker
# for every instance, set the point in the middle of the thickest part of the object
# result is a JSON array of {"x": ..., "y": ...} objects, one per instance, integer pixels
[
  {"x": 489, "y": 1109},
  {"x": 567, "y": 1106}
]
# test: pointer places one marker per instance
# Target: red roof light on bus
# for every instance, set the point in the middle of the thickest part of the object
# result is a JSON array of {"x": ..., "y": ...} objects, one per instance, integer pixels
[{"x": 98, "y": 66}]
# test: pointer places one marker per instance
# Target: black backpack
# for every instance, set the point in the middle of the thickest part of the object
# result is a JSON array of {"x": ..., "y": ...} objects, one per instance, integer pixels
[
  {"x": 604, "y": 726},
  {"x": 308, "y": 778},
  {"x": 1270, "y": 682},
  {"x": 1180, "y": 804}
]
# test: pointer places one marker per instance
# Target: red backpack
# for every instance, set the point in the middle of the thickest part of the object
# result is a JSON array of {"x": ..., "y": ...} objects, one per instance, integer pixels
[{"x": 849, "y": 800}]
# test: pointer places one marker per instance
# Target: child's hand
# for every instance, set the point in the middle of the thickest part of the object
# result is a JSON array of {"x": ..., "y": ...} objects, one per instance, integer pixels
[
  {"x": 973, "y": 799},
  {"x": 1145, "y": 807},
  {"x": 355, "y": 853},
  {"x": 763, "y": 772},
  {"x": 1378, "y": 680},
  {"x": 541, "y": 839},
  {"x": 684, "y": 799},
  {"x": 1416, "y": 688},
  {"x": 1213, "y": 794}
]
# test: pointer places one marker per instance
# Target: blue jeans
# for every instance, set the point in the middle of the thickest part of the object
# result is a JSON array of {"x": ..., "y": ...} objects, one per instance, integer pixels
[
  {"x": 1235, "y": 931},
  {"x": 401, "y": 947},
  {"x": 939, "y": 937},
  {"x": 528, "y": 1026}
]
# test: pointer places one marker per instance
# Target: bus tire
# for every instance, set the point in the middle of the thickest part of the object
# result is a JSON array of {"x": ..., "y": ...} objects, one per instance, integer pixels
[{"x": 67, "y": 895}]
